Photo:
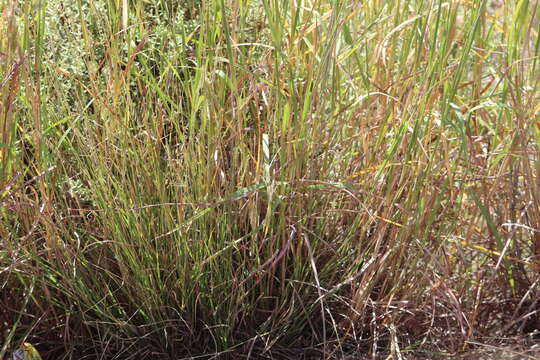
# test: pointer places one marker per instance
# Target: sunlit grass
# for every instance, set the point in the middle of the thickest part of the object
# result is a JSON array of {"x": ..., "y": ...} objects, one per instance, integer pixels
[{"x": 183, "y": 179}]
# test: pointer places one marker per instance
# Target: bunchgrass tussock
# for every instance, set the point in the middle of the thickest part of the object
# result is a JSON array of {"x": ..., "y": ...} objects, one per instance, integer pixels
[{"x": 273, "y": 179}]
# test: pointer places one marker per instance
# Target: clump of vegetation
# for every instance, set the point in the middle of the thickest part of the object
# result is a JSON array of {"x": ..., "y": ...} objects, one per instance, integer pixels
[{"x": 281, "y": 179}]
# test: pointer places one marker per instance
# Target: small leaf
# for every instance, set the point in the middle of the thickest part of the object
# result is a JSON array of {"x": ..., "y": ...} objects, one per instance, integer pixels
[
  {"x": 26, "y": 352},
  {"x": 19, "y": 355}
]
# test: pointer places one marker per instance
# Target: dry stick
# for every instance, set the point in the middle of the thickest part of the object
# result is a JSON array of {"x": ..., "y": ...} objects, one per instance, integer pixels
[
  {"x": 273, "y": 260},
  {"x": 247, "y": 193},
  {"x": 11, "y": 181},
  {"x": 38, "y": 176},
  {"x": 519, "y": 306}
]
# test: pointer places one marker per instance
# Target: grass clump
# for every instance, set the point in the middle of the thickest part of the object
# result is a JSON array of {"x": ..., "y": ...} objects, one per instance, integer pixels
[{"x": 267, "y": 178}]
